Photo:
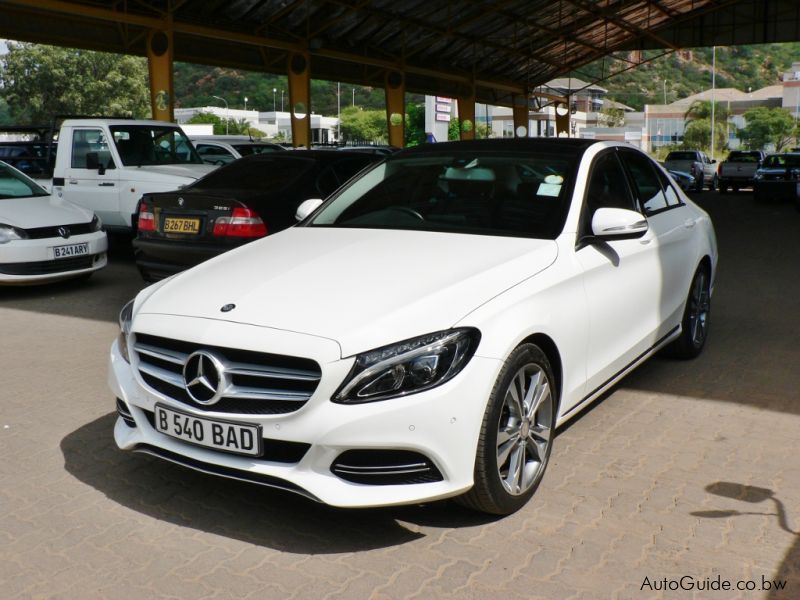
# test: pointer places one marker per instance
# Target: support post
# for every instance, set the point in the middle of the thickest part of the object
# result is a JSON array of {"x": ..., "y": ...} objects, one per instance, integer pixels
[
  {"x": 395, "y": 87},
  {"x": 562, "y": 110},
  {"x": 520, "y": 114},
  {"x": 300, "y": 99},
  {"x": 159, "y": 63},
  {"x": 466, "y": 116}
]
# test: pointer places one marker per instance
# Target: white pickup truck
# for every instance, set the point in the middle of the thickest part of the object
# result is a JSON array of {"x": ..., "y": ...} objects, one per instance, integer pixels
[
  {"x": 107, "y": 164},
  {"x": 696, "y": 163}
]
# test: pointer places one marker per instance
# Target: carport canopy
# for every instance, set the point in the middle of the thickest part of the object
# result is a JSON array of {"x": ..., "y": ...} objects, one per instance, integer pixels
[{"x": 494, "y": 52}]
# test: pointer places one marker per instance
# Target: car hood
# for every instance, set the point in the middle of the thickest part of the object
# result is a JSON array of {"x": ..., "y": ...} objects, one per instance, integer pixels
[
  {"x": 185, "y": 173},
  {"x": 362, "y": 288},
  {"x": 41, "y": 211}
]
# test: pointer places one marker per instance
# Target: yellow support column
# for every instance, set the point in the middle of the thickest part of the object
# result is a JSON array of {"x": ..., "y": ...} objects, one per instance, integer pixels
[
  {"x": 520, "y": 112},
  {"x": 159, "y": 63},
  {"x": 466, "y": 116},
  {"x": 300, "y": 99},
  {"x": 396, "y": 108}
]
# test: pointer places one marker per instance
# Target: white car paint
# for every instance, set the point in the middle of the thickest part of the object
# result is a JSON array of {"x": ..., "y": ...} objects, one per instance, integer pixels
[
  {"x": 330, "y": 293},
  {"x": 32, "y": 212}
]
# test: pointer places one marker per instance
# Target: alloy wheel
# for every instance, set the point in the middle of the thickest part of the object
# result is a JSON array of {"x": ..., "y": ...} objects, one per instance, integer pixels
[
  {"x": 524, "y": 433},
  {"x": 699, "y": 304}
]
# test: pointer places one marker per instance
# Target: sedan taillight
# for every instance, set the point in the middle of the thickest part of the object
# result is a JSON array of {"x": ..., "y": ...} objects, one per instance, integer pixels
[
  {"x": 147, "y": 221},
  {"x": 243, "y": 222}
]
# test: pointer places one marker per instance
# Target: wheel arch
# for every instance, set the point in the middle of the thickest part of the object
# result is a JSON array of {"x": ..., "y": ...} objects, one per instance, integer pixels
[{"x": 548, "y": 346}]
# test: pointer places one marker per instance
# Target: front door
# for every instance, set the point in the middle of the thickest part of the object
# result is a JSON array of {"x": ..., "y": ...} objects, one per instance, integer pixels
[{"x": 92, "y": 180}]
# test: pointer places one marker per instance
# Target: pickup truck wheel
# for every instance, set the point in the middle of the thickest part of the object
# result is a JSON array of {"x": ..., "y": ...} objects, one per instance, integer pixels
[
  {"x": 723, "y": 187},
  {"x": 713, "y": 184},
  {"x": 735, "y": 189},
  {"x": 699, "y": 185}
]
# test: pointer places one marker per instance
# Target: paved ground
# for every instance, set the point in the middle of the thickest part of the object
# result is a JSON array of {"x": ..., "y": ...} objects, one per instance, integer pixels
[{"x": 685, "y": 469}]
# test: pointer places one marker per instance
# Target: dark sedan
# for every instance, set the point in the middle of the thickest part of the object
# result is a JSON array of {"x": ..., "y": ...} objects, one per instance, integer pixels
[
  {"x": 238, "y": 203},
  {"x": 778, "y": 178}
]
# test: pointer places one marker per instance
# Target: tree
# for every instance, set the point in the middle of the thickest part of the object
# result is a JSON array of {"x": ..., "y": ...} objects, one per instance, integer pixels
[
  {"x": 415, "y": 124},
  {"x": 701, "y": 109},
  {"x": 612, "y": 117},
  {"x": 363, "y": 125},
  {"x": 767, "y": 126},
  {"x": 39, "y": 82},
  {"x": 697, "y": 134}
]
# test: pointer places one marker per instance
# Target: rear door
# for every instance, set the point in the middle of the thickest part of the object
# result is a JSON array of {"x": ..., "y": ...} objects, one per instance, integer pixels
[{"x": 91, "y": 179}]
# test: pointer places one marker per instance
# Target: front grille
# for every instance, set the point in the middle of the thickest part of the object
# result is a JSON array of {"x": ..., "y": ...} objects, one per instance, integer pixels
[
  {"x": 197, "y": 465},
  {"x": 385, "y": 467},
  {"x": 278, "y": 451},
  {"x": 259, "y": 383},
  {"x": 38, "y": 233},
  {"x": 47, "y": 267}
]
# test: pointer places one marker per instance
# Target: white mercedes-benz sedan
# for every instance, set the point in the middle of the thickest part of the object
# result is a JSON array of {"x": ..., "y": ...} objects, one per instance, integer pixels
[
  {"x": 422, "y": 333},
  {"x": 44, "y": 238}
]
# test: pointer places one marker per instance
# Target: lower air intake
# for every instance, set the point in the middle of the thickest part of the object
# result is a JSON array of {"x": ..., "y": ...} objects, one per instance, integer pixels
[{"x": 385, "y": 467}]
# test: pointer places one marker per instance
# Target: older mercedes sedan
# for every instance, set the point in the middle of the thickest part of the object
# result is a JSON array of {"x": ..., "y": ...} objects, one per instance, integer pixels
[{"x": 422, "y": 333}]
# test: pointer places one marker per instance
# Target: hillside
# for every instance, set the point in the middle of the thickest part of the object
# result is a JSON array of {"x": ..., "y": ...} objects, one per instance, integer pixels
[{"x": 741, "y": 67}]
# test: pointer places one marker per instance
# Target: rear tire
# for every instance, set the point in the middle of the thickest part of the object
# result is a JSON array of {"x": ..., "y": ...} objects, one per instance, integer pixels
[
  {"x": 723, "y": 187},
  {"x": 694, "y": 326},
  {"x": 713, "y": 185},
  {"x": 516, "y": 435}
]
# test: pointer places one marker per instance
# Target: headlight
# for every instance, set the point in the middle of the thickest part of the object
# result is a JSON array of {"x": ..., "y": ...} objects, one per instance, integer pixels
[
  {"x": 408, "y": 367},
  {"x": 125, "y": 316},
  {"x": 97, "y": 224},
  {"x": 8, "y": 233}
]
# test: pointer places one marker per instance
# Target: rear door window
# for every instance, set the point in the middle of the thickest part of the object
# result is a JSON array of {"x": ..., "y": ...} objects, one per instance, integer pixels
[{"x": 646, "y": 184}]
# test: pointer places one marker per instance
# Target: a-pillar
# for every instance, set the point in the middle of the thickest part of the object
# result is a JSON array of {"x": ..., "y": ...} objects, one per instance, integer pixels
[
  {"x": 520, "y": 113},
  {"x": 466, "y": 116},
  {"x": 396, "y": 108},
  {"x": 159, "y": 63},
  {"x": 300, "y": 99}
]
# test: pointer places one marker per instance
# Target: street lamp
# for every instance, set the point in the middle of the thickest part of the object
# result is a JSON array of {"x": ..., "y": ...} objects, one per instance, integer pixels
[
  {"x": 274, "y": 91},
  {"x": 665, "y": 92},
  {"x": 282, "y": 100},
  {"x": 226, "y": 111},
  {"x": 245, "y": 102}
]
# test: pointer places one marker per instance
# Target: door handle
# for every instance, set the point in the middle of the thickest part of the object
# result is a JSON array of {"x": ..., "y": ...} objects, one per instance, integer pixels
[
  {"x": 73, "y": 182},
  {"x": 106, "y": 183},
  {"x": 688, "y": 223}
]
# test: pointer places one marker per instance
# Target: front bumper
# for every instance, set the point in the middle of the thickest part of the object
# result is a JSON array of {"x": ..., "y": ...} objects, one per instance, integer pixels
[
  {"x": 777, "y": 189},
  {"x": 442, "y": 424},
  {"x": 32, "y": 261}
]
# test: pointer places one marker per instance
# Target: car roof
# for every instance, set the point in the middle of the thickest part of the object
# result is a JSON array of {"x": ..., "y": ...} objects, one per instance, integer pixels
[
  {"x": 558, "y": 145},
  {"x": 229, "y": 139}
]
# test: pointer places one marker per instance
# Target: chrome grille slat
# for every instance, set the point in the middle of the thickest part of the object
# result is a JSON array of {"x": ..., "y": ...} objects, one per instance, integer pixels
[
  {"x": 270, "y": 372},
  {"x": 168, "y": 376},
  {"x": 236, "y": 391},
  {"x": 172, "y": 356}
]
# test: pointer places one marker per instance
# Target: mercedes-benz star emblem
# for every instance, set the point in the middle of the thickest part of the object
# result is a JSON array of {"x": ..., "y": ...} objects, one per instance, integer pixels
[
  {"x": 204, "y": 377},
  {"x": 180, "y": 201},
  {"x": 63, "y": 232}
]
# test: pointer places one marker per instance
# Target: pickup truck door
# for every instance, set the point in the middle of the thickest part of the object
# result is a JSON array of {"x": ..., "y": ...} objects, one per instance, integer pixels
[{"x": 91, "y": 178}]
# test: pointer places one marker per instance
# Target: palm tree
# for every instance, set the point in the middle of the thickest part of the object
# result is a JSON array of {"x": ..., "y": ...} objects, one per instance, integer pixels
[{"x": 701, "y": 109}]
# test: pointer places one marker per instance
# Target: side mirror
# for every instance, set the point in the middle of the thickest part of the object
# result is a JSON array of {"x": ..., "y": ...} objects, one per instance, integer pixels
[
  {"x": 713, "y": 161},
  {"x": 307, "y": 207},
  {"x": 93, "y": 162},
  {"x": 618, "y": 224}
]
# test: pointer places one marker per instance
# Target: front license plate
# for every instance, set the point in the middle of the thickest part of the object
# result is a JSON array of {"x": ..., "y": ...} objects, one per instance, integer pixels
[
  {"x": 71, "y": 250},
  {"x": 176, "y": 225},
  {"x": 211, "y": 433}
]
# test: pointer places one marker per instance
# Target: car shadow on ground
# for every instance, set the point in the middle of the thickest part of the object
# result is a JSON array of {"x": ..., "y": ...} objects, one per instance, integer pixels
[{"x": 257, "y": 515}]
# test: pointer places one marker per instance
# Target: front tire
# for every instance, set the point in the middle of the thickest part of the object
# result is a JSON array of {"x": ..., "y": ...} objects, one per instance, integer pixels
[
  {"x": 694, "y": 326},
  {"x": 516, "y": 435}
]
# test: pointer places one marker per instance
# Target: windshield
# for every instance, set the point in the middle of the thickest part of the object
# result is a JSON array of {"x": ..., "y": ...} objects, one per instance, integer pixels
[
  {"x": 497, "y": 193},
  {"x": 782, "y": 160},
  {"x": 248, "y": 149},
  {"x": 140, "y": 145},
  {"x": 14, "y": 184},
  {"x": 269, "y": 174}
]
